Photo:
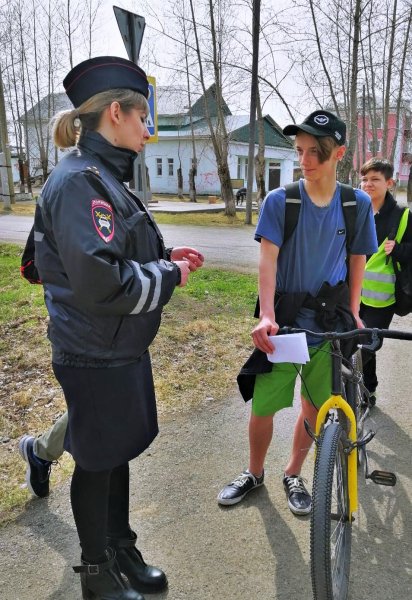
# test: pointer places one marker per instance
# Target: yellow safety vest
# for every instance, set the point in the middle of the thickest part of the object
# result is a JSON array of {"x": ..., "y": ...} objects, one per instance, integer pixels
[{"x": 378, "y": 286}]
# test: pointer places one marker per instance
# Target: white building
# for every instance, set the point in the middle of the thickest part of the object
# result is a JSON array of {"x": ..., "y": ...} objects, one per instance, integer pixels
[{"x": 174, "y": 147}]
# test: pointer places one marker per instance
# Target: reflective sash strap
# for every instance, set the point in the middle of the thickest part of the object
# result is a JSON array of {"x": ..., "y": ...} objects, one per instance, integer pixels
[
  {"x": 381, "y": 277},
  {"x": 383, "y": 296},
  {"x": 402, "y": 225}
]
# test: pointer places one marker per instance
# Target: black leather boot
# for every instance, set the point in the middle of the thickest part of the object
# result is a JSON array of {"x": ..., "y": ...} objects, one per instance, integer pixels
[
  {"x": 141, "y": 576},
  {"x": 104, "y": 581}
]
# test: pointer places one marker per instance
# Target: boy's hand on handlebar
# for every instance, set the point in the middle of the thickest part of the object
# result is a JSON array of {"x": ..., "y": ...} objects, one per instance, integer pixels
[
  {"x": 261, "y": 333},
  {"x": 359, "y": 323}
]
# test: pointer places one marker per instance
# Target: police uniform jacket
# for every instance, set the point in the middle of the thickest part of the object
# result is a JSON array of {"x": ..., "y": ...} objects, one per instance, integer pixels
[{"x": 101, "y": 258}]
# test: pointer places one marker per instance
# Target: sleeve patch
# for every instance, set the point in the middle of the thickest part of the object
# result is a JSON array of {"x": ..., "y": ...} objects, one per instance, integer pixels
[{"x": 103, "y": 219}]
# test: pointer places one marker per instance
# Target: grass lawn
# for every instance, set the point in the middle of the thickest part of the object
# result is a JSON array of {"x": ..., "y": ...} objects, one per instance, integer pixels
[
  {"x": 211, "y": 219},
  {"x": 203, "y": 340}
]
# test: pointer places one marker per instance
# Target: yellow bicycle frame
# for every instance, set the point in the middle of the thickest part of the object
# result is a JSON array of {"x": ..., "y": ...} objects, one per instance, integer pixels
[{"x": 339, "y": 402}]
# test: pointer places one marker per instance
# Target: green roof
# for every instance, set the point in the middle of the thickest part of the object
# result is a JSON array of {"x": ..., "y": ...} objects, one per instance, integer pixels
[
  {"x": 198, "y": 108},
  {"x": 273, "y": 134}
]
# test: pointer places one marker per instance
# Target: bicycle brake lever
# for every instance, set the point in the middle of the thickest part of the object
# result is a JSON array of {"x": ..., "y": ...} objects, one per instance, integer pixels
[{"x": 375, "y": 342}]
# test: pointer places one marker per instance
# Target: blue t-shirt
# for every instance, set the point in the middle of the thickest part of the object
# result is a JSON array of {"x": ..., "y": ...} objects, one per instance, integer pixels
[{"x": 316, "y": 251}]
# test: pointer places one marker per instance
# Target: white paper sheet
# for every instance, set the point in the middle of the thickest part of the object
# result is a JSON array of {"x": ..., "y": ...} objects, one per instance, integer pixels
[{"x": 292, "y": 348}]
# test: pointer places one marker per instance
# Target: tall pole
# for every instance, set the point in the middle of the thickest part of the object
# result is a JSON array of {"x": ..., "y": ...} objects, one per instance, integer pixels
[
  {"x": 363, "y": 124},
  {"x": 132, "y": 28},
  {"x": 8, "y": 193},
  {"x": 252, "y": 123},
  {"x": 141, "y": 158}
]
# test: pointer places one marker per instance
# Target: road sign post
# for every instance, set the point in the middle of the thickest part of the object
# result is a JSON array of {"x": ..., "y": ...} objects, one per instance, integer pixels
[
  {"x": 132, "y": 28},
  {"x": 152, "y": 118}
]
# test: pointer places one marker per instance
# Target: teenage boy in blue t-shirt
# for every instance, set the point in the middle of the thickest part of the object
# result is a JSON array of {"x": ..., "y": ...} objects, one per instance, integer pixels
[{"x": 314, "y": 254}]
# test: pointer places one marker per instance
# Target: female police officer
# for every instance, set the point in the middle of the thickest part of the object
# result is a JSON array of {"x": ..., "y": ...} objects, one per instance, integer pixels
[{"x": 106, "y": 277}]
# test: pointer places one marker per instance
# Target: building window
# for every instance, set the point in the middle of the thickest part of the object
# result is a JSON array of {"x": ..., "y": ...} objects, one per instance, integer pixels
[
  {"x": 246, "y": 167},
  {"x": 378, "y": 122},
  {"x": 170, "y": 165},
  {"x": 159, "y": 167},
  {"x": 239, "y": 167},
  {"x": 370, "y": 146}
]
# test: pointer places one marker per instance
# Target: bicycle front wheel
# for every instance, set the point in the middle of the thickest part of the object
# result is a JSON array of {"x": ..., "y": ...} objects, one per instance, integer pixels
[{"x": 331, "y": 522}]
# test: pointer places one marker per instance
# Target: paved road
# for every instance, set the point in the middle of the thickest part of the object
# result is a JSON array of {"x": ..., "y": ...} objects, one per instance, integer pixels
[
  {"x": 222, "y": 246},
  {"x": 257, "y": 549}
]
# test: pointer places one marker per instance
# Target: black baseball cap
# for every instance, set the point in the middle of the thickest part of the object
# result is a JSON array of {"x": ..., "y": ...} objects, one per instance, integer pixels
[
  {"x": 104, "y": 73},
  {"x": 321, "y": 123}
]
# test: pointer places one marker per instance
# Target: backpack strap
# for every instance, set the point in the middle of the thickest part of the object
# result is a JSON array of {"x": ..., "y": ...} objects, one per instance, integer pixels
[
  {"x": 292, "y": 209},
  {"x": 350, "y": 209},
  {"x": 395, "y": 221}
]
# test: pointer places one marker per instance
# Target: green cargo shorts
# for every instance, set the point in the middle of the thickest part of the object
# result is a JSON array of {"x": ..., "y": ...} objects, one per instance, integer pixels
[{"x": 274, "y": 391}]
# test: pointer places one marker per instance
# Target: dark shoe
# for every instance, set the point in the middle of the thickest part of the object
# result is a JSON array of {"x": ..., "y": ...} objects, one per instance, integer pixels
[
  {"x": 372, "y": 400},
  {"x": 299, "y": 500},
  {"x": 141, "y": 576},
  {"x": 104, "y": 581},
  {"x": 235, "y": 492},
  {"x": 38, "y": 470}
]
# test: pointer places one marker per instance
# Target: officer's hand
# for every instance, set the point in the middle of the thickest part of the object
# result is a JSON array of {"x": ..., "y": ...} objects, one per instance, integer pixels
[
  {"x": 191, "y": 255},
  {"x": 184, "y": 271}
]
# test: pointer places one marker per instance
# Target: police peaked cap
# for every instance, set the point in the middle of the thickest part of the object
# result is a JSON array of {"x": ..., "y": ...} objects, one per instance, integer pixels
[{"x": 101, "y": 74}]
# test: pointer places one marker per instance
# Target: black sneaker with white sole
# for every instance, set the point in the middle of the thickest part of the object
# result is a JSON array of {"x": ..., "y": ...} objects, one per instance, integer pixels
[
  {"x": 235, "y": 491},
  {"x": 38, "y": 470},
  {"x": 299, "y": 499}
]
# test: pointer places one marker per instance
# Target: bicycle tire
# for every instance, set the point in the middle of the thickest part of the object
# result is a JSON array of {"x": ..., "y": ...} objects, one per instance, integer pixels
[{"x": 331, "y": 523}]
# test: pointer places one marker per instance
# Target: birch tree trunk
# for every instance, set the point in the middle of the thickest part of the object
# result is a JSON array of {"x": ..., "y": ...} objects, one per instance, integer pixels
[
  {"x": 346, "y": 165},
  {"x": 218, "y": 132},
  {"x": 260, "y": 156},
  {"x": 253, "y": 102},
  {"x": 387, "y": 96}
]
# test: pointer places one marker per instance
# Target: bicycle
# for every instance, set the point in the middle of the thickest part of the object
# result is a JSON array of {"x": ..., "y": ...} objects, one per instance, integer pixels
[{"x": 340, "y": 449}]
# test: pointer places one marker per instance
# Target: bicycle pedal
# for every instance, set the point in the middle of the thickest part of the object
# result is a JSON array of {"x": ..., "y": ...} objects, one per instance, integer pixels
[{"x": 383, "y": 478}]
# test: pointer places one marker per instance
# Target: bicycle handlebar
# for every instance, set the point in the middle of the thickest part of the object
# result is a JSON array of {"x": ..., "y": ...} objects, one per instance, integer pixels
[{"x": 375, "y": 335}]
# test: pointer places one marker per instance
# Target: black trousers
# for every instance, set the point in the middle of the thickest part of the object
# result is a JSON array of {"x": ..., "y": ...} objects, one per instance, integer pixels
[
  {"x": 380, "y": 318},
  {"x": 100, "y": 504}
]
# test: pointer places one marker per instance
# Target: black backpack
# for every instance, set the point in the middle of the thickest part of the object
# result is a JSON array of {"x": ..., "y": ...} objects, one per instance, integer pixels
[{"x": 403, "y": 282}]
